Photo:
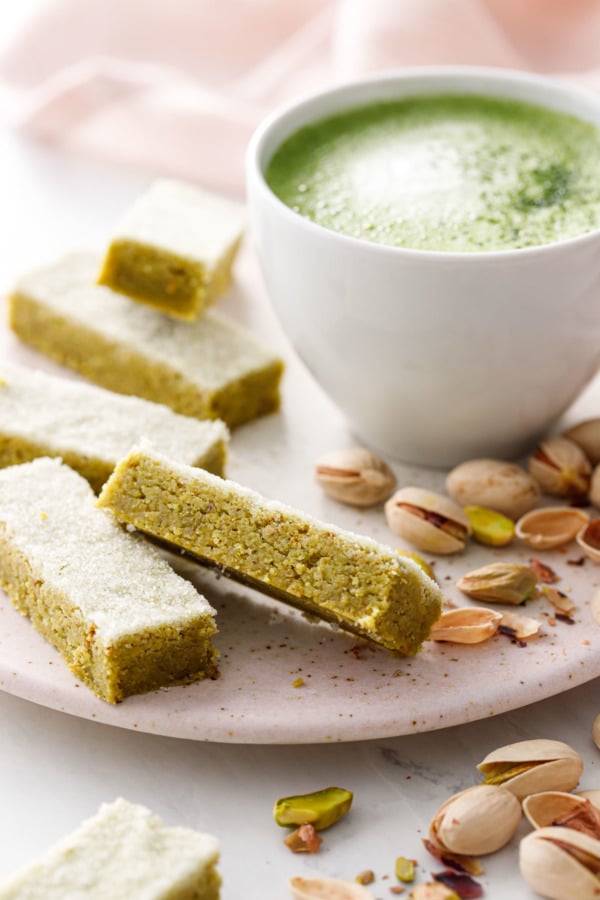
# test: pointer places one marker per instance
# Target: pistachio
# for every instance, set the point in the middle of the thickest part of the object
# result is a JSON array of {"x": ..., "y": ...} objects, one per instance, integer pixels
[
  {"x": 479, "y": 820},
  {"x": 523, "y": 628},
  {"x": 529, "y": 767},
  {"x": 594, "y": 495},
  {"x": 587, "y": 436},
  {"x": 500, "y": 582},
  {"x": 553, "y": 526},
  {"x": 494, "y": 484},
  {"x": 561, "y": 863},
  {"x": 428, "y": 520},
  {"x": 596, "y": 731},
  {"x": 490, "y": 527},
  {"x": 564, "y": 809},
  {"x": 355, "y": 476},
  {"x": 327, "y": 889},
  {"x": 589, "y": 539},
  {"x": 321, "y": 808},
  {"x": 404, "y": 869},
  {"x": 561, "y": 467},
  {"x": 466, "y": 625}
]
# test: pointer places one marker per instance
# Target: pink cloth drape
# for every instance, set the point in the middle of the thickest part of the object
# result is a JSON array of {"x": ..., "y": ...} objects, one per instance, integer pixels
[{"x": 177, "y": 86}]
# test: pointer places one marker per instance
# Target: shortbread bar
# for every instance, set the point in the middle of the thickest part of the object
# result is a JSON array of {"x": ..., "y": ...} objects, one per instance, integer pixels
[
  {"x": 350, "y": 580},
  {"x": 91, "y": 428},
  {"x": 122, "y": 619},
  {"x": 124, "y": 852},
  {"x": 208, "y": 369},
  {"x": 174, "y": 248}
]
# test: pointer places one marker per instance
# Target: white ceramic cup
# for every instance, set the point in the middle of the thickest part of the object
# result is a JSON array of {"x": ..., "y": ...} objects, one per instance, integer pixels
[{"x": 434, "y": 357}]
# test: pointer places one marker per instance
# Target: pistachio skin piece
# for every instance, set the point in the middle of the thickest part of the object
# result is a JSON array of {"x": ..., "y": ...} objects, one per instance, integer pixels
[
  {"x": 321, "y": 808},
  {"x": 550, "y": 860},
  {"x": 494, "y": 484}
]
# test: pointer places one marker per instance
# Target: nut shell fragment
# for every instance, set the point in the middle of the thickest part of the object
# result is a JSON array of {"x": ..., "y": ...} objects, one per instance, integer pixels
[
  {"x": 561, "y": 864},
  {"x": 589, "y": 539},
  {"x": 428, "y": 520},
  {"x": 495, "y": 484},
  {"x": 501, "y": 582},
  {"x": 552, "y": 526},
  {"x": 355, "y": 476},
  {"x": 327, "y": 889},
  {"x": 523, "y": 628},
  {"x": 561, "y": 467},
  {"x": 477, "y": 821},
  {"x": 529, "y": 767},
  {"x": 466, "y": 625}
]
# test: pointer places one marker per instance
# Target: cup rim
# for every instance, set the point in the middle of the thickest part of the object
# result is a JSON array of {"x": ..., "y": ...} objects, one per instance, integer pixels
[{"x": 560, "y": 88}]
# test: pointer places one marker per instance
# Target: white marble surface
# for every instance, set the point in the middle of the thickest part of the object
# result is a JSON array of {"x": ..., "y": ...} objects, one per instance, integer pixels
[{"x": 55, "y": 769}]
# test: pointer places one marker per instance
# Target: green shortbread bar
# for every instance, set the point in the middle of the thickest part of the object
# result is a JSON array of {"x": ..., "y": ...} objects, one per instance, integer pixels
[
  {"x": 345, "y": 578},
  {"x": 174, "y": 248},
  {"x": 91, "y": 428},
  {"x": 123, "y": 620},
  {"x": 124, "y": 852},
  {"x": 209, "y": 369}
]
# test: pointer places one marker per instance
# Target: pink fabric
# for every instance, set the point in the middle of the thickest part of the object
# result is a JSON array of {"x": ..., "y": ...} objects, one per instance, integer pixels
[{"x": 177, "y": 86}]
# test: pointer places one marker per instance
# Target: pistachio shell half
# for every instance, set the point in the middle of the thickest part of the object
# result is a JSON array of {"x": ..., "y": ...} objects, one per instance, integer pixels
[
  {"x": 494, "y": 484},
  {"x": 552, "y": 526},
  {"x": 501, "y": 582},
  {"x": 466, "y": 625},
  {"x": 429, "y": 521},
  {"x": 561, "y": 467},
  {"x": 479, "y": 820},
  {"x": 529, "y": 767},
  {"x": 589, "y": 539},
  {"x": 587, "y": 436},
  {"x": 327, "y": 889},
  {"x": 564, "y": 809},
  {"x": 594, "y": 495},
  {"x": 561, "y": 864},
  {"x": 355, "y": 476}
]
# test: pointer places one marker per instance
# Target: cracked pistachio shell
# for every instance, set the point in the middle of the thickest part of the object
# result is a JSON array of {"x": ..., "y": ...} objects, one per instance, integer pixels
[
  {"x": 589, "y": 539},
  {"x": 466, "y": 625},
  {"x": 552, "y": 526},
  {"x": 428, "y": 520},
  {"x": 543, "y": 809},
  {"x": 561, "y": 864},
  {"x": 561, "y": 467},
  {"x": 500, "y": 582},
  {"x": 494, "y": 484},
  {"x": 529, "y": 767},
  {"x": 477, "y": 821},
  {"x": 321, "y": 808},
  {"x": 355, "y": 476},
  {"x": 594, "y": 495},
  {"x": 587, "y": 436},
  {"x": 327, "y": 889}
]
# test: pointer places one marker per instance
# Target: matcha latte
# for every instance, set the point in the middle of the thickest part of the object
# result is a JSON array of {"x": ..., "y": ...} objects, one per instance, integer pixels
[{"x": 458, "y": 173}]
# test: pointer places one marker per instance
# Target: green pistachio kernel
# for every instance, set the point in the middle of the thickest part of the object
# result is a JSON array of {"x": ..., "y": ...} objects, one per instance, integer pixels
[
  {"x": 490, "y": 527},
  {"x": 321, "y": 808}
]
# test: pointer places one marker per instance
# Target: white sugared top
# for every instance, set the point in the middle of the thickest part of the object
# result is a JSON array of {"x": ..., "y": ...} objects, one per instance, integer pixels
[
  {"x": 124, "y": 852},
  {"x": 210, "y": 352},
  {"x": 72, "y": 416},
  {"x": 120, "y": 583},
  {"x": 183, "y": 219}
]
